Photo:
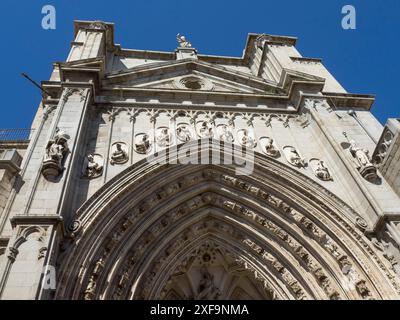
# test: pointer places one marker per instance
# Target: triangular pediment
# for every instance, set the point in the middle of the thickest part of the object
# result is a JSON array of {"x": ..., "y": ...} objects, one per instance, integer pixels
[{"x": 190, "y": 75}]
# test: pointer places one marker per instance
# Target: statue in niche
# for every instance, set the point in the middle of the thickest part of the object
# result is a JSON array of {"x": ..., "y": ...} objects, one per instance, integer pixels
[
  {"x": 246, "y": 139},
  {"x": 119, "y": 154},
  {"x": 207, "y": 289},
  {"x": 56, "y": 150},
  {"x": 142, "y": 143},
  {"x": 293, "y": 157},
  {"x": 320, "y": 170},
  {"x": 163, "y": 137},
  {"x": 363, "y": 161},
  {"x": 93, "y": 166},
  {"x": 270, "y": 148},
  {"x": 183, "y": 132},
  {"x": 206, "y": 129},
  {"x": 183, "y": 43},
  {"x": 225, "y": 134}
]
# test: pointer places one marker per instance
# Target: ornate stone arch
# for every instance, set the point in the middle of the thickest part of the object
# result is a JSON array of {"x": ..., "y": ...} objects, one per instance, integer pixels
[{"x": 276, "y": 231}]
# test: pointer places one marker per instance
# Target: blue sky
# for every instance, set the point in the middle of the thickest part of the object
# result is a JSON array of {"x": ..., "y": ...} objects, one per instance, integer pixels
[{"x": 364, "y": 60}]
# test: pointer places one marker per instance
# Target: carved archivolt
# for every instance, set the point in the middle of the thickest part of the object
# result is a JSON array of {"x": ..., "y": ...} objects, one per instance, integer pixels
[{"x": 295, "y": 247}]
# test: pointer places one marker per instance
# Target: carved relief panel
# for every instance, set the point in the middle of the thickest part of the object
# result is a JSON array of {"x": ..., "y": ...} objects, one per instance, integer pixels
[
  {"x": 184, "y": 132},
  {"x": 142, "y": 143},
  {"x": 320, "y": 169},
  {"x": 294, "y": 157},
  {"x": 269, "y": 147},
  {"x": 93, "y": 165},
  {"x": 119, "y": 153}
]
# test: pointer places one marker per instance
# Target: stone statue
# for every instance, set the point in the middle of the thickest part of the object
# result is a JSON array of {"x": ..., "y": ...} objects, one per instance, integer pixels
[
  {"x": 246, "y": 140},
  {"x": 293, "y": 157},
  {"x": 363, "y": 161},
  {"x": 207, "y": 289},
  {"x": 119, "y": 155},
  {"x": 142, "y": 143},
  {"x": 163, "y": 137},
  {"x": 94, "y": 166},
  {"x": 360, "y": 154},
  {"x": 320, "y": 170},
  {"x": 183, "y": 132},
  {"x": 270, "y": 148},
  {"x": 226, "y": 134},
  {"x": 206, "y": 129},
  {"x": 183, "y": 43},
  {"x": 56, "y": 150}
]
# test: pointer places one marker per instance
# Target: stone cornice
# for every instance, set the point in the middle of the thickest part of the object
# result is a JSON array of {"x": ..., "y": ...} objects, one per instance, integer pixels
[{"x": 36, "y": 220}]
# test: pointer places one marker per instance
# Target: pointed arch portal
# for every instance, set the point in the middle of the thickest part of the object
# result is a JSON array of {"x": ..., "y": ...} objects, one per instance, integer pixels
[{"x": 170, "y": 231}]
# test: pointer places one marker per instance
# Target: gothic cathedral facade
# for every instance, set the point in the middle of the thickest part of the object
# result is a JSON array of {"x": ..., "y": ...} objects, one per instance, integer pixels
[{"x": 177, "y": 175}]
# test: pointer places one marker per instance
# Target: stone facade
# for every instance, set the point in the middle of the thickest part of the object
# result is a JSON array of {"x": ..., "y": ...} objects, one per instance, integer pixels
[{"x": 127, "y": 189}]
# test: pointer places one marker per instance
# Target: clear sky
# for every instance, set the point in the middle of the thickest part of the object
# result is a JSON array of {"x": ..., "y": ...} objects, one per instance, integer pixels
[{"x": 365, "y": 60}]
